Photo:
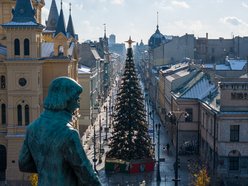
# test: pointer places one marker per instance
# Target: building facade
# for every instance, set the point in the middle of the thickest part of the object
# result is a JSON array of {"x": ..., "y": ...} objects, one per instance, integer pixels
[
  {"x": 223, "y": 130},
  {"x": 27, "y": 66},
  {"x": 217, "y": 120}
]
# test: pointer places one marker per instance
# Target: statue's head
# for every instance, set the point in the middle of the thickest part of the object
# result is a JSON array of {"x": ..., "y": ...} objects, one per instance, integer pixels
[{"x": 63, "y": 94}]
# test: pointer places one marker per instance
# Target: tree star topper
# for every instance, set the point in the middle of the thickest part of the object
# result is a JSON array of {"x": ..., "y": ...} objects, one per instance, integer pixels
[{"x": 130, "y": 41}]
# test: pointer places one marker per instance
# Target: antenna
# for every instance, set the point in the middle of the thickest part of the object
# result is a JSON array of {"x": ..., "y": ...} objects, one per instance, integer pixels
[
  {"x": 104, "y": 30},
  {"x": 70, "y": 8},
  {"x": 61, "y": 3},
  {"x": 157, "y": 19}
]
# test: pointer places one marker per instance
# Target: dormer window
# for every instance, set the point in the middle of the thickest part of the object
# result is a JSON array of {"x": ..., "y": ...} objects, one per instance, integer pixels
[
  {"x": 17, "y": 47},
  {"x": 26, "y": 47}
]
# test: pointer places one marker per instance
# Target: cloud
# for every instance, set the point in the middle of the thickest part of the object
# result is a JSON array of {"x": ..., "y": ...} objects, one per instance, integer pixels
[
  {"x": 45, "y": 13},
  {"x": 235, "y": 25},
  {"x": 162, "y": 4},
  {"x": 171, "y": 4},
  {"x": 79, "y": 6},
  {"x": 180, "y": 4},
  {"x": 190, "y": 26},
  {"x": 88, "y": 29},
  {"x": 118, "y": 2},
  {"x": 232, "y": 20},
  {"x": 244, "y": 4}
]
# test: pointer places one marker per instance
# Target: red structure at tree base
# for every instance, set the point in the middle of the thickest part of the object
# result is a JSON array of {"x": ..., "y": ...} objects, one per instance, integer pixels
[{"x": 131, "y": 167}]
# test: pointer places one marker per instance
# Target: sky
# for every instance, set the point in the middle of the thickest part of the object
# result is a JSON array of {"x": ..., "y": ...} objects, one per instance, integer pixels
[{"x": 138, "y": 18}]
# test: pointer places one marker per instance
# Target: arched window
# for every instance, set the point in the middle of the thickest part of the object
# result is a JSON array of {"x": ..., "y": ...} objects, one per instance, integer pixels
[
  {"x": 26, "y": 114},
  {"x": 3, "y": 114},
  {"x": 3, "y": 83},
  {"x": 19, "y": 115},
  {"x": 26, "y": 47},
  {"x": 17, "y": 47},
  {"x": 61, "y": 50}
]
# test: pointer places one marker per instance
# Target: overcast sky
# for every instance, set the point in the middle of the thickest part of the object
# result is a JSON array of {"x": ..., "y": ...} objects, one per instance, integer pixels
[{"x": 138, "y": 18}]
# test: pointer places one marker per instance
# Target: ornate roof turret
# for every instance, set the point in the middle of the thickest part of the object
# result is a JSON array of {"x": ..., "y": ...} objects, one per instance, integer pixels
[
  {"x": 157, "y": 38},
  {"x": 61, "y": 23},
  {"x": 70, "y": 28},
  {"x": 23, "y": 16},
  {"x": 23, "y": 12},
  {"x": 53, "y": 17}
]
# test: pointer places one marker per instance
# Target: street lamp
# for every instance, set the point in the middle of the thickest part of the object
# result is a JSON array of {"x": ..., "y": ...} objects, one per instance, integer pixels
[
  {"x": 106, "y": 127},
  {"x": 110, "y": 111},
  {"x": 100, "y": 139},
  {"x": 177, "y": 116},
  {"x": 153, "y": 125},
  {"x": 158, "y": 152},
  {"x": 147, "y": 101},
  {"x": 94, "y": 143}
]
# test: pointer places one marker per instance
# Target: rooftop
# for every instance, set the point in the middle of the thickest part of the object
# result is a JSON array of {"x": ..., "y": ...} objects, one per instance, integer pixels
[{"x": 198, "y": 87}]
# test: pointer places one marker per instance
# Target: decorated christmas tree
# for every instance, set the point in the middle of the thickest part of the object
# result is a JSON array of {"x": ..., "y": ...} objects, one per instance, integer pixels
[{"x": 130, "y": 139}]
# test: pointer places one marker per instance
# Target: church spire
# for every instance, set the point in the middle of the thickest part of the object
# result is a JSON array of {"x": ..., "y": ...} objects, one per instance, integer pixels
[
  {"x": 157, "y": 21},
  {"x": 53, "y": 17},
  {"x": 61, "y": 22},
  {"x": 23, "y": 12},
  {"x": 70, "y": 28}
]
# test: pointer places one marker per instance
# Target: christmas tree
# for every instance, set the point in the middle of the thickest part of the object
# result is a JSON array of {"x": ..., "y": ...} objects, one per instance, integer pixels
[{"x": 130, "y": 139}]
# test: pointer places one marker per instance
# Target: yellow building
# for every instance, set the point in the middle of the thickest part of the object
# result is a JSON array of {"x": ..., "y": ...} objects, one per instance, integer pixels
[{"x": 29, "y": 59}]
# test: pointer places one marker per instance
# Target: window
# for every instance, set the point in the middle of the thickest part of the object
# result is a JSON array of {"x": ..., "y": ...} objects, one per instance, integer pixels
[
  {"x": 17, "y": 47},
  {"x": 26, "y": 47},
  {"x": 3, "y": 163},
  {"x": 19, "y": 115},
  {"x": 190, "y": 115},
  {"x": 203, "y": 119},
  {"x": 3, "y": 83},
  {"x": 234, "y": 133},
  {"x": 233, "y": 163},
  {"x": 26, "y": 114},
  {"x": 61, "y": 51},
  {"x": 3, "y": 113}
]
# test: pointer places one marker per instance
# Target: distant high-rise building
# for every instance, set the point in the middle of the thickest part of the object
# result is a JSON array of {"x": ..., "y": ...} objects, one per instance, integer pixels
[{"x": 112, "y": 39}]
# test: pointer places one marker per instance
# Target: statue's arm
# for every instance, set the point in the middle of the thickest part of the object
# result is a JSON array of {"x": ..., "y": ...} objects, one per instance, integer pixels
[
  {"x": 26, "y": 162},
  {"x": 78, "y": 160}
]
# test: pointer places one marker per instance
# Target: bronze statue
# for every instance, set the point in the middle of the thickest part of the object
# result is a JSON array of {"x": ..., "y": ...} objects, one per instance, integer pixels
[{"x": 52, "y": 147}]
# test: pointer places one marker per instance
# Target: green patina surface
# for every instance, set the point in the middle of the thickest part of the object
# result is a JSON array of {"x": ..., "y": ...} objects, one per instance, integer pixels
[{"x": 52, "y": 147}]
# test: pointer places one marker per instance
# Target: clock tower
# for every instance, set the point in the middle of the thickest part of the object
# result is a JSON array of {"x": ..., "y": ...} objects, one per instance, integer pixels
[{"x": 24, "y": 77}]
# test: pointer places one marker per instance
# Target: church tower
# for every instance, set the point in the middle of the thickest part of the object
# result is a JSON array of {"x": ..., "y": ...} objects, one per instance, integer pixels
[
  {"x": 61, "y": 43},
  {"x": 70, "y": 27},
  {"x": 27, "y": 66},
  {"x": 51, "y": 23},
  {"x": 5, "y": 14},
  {"x": 23, "y": 79}
]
